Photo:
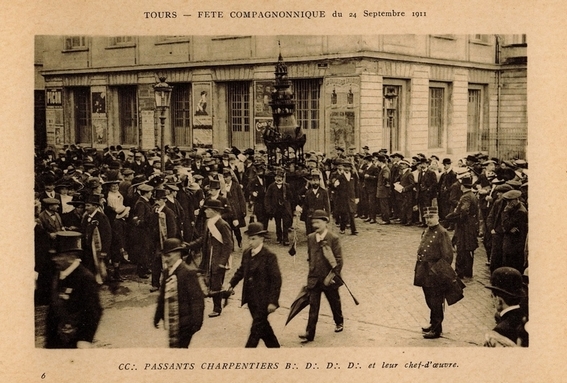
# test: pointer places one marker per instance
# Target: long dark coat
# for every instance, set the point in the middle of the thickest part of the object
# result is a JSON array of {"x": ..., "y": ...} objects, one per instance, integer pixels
[
  {"x": 345, "y": 194},
  {"x": 191, "y": 299},
  {"x": 383, "y": 185},
  {"x": 279, "y": 200},
  {"x": 514, "y": 240},
  {"x": 141, "y": 228},
  {"x": 75, "y": 305},
  {"x": 465, "y": 216},
  {"x": 262, "y": 278}
]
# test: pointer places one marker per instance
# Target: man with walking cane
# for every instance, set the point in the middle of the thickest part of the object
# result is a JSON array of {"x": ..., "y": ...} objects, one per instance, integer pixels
[{"x": 319, "y": 278}]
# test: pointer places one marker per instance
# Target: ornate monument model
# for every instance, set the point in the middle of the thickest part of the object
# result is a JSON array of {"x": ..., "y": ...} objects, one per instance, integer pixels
[{"x": 284, "y": 141}]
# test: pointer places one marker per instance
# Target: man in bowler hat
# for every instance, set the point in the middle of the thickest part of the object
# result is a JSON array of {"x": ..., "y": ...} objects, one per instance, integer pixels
[
  {"x": 181, "y": 300},
  {"x": 508, "y": 292},
  {"x": 324, "y": 257},
  {"x": 261, "y": 287}
]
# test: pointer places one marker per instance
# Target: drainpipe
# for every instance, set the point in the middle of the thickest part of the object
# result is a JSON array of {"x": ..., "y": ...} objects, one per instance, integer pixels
[{"x": 498, "y": 94}]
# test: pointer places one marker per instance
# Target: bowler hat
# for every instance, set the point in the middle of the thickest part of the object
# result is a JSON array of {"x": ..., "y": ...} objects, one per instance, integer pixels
[
  {"x": 466, "y": 181},
  {"x": 213, "y": 204},
  {"x": 67, "y": 241},
  {"x": 159, "y": 193},
  {"x": 94, "y": 199},
  {"x": 255, "y": 228},
  {"x": 214, "y": 184},
  {"x": 507, "y": 280},
  {"x": 173, "y": 244},
  {"x": 446, "y": 161},
  {"x": 77, "y": 200},
  {"x": 320, "y": 214}
]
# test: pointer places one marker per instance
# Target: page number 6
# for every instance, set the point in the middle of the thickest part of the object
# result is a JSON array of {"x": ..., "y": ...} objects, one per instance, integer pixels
[{"x": 43, "y": 376}]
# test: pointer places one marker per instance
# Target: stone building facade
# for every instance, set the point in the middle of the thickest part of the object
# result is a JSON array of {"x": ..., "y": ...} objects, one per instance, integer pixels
[{"x": 447, "y": 95}]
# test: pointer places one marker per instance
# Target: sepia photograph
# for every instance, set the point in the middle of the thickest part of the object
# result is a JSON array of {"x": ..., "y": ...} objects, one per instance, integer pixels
[
  {"x": 392, "y": 179},
  {"x": 284, "y": 192}
]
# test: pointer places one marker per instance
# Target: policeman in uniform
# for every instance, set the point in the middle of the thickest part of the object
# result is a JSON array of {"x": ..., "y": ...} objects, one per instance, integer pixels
[{"x": 435, "y": 245}]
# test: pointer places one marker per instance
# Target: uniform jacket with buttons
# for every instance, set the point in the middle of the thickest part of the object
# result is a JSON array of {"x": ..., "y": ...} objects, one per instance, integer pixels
[{"x": 435, "y": 245}]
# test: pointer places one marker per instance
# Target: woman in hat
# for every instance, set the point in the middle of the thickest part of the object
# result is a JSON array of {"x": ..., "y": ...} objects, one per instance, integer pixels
[{"x": 261, "y": 287}]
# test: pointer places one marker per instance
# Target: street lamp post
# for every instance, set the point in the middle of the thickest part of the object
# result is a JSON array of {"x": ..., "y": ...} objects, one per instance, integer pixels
[{"x": 162, "y": 93}]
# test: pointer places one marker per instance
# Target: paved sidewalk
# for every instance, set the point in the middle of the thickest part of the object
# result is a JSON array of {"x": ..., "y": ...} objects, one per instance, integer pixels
[{"x": 379, "y": 265}]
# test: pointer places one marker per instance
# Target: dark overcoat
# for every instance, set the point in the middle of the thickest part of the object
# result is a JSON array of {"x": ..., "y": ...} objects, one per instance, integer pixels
[
  {"x": 261, "y": 276},
  {"x": 435, "y": 245},
  {"x": 465, "y": 216},
  {"x": 75, "y": 310},
  {"x": 319, "y": 267}
]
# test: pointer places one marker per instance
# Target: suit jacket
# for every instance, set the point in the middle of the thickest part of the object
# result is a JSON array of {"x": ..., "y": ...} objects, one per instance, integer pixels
[
  {"x": 445, "y": 181},
  {"x": 190, "y": 299},
  {"x": 255, "y": 187},
  {"x": 345, "y": 194},
  {"x": 383, "y": 184},
  {"x": 370, "y": 182},
  {"x": 278, "y": 200},
  {"x": 74, "y": 304},
  {"x": 50, "y": 224},
  {"x": 407, "y": 181},
  {"x": 315, "y": 201},
  {"x": 426, "y": 186},
  {"x": 235, "y": 198},
  {"x": 511, "y": 325},
  {"x": 262, "y": 278},
  {"x": 178, "y": 213},
  {"x": 435, "y": 245},
  {"x": 319, "y": 267}
]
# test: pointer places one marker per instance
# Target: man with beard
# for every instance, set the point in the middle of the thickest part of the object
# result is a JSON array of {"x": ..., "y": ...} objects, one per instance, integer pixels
[{"x": 316, "y": 198}]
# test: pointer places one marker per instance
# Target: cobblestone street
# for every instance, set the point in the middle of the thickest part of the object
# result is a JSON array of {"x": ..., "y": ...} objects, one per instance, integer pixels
[{"x": 379, "y": 265}]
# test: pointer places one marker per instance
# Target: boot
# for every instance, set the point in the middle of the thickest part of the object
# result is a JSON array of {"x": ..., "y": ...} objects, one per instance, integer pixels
[{"x": 116, "y": 274}]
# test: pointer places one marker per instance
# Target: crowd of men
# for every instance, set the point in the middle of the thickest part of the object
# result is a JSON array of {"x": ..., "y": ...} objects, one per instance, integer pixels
[{"x": 126, "y": 207}]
